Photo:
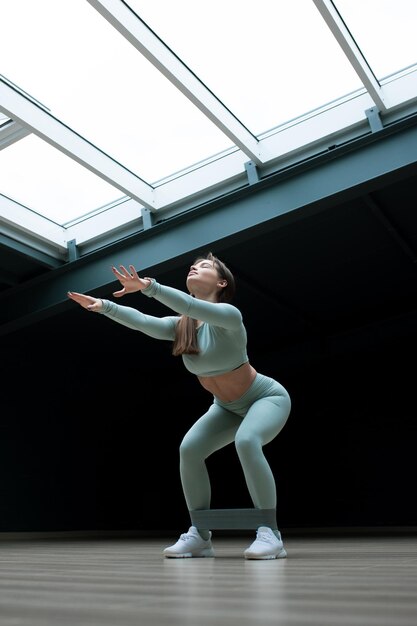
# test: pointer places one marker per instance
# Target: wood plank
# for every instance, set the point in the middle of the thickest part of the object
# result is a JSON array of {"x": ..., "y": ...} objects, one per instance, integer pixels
[{"x": 344, "y": 581}]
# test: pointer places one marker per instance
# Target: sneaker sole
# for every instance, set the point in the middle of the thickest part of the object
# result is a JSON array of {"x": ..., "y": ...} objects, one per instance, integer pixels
[
  {"x": 189, "y": 555},
  {"x": 256, "y": 557}
]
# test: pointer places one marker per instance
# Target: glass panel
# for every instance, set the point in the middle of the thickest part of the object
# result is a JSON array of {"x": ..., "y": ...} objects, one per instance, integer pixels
[
  {"x": 3, "y": 118},
  {"x": 45, "y": 180},
  {"x": 384, "y": 30},
  {"x": 67, "y": 56},
  {"x": 268, "y": 61}
]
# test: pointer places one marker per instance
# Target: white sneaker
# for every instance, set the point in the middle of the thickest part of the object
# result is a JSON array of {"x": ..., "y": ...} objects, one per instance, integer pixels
[
  {"x": 189, "y": 545},
  {"x": 266, "y": 545}
]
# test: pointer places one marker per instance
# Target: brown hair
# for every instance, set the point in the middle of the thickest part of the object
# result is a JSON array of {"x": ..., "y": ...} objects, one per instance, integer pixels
[{"x": 185, "y": 341}]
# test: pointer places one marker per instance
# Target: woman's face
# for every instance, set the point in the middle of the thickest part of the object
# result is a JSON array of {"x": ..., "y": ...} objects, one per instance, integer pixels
[{"x": 203, "y": 278}]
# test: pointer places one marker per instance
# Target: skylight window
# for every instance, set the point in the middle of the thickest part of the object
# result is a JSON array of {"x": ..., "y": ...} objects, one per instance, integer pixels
[{"x": 159, "y": 101}]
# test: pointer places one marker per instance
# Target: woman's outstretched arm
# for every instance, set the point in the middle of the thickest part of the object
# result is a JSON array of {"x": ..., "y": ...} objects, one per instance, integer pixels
[{"x": 156, "y": 327}]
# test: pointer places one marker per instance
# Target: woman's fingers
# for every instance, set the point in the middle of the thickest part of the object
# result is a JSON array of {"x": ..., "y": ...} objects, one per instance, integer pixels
[
  {"x": 124, "y": 273},
  {"x": 82, "y": 299},
  {"x": 133, "y": 271},
  {"x": 75, "y": 296},
  {"x": 116, "y": 272}
]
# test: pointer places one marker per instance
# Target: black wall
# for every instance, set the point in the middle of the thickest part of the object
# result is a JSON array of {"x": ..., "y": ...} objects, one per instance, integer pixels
[{"x": 93, "y": 414}]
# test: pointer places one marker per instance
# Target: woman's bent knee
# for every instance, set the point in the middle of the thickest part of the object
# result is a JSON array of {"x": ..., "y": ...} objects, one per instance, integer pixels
[
  {"x": 247, "y": 444},
  {"x": 189, "y": 449}
]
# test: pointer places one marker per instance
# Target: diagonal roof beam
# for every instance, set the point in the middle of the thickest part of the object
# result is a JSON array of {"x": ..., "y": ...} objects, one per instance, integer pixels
[
  {"x": 129, "y": 24},
  {"x": 349, "y": 46},
  {"x": 391, "y": 229},
  {"x": 25, "y": 251},
  {"x": 10, "y": 132},
  {"x": 27, "y": 225},
  {"x": 34, "y": 117}
]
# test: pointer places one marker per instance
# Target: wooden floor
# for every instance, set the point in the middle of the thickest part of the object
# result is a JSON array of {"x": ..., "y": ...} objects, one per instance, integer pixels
[{"x": 352, "y": 581}]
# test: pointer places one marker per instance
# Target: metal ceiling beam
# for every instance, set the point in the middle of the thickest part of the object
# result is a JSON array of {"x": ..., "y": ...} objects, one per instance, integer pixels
[
  {"x": 391, "y": 230},
  {"x": 342, "y": 174},
  {"x": 8, "y": 278},
  {"x": 28, "y": 252},
  {"x": 26, "y": 225},
  {"x": 35, "y": 118},
  {"x": 130, "y": 25},
  {"x": 10, "y": 132},
  {"x": 349, "y": 46}
]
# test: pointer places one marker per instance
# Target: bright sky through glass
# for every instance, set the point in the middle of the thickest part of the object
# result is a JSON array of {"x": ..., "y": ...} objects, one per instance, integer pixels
[
  {"x": 385, "y": 31},
  {"x": 267, "y": 62}
]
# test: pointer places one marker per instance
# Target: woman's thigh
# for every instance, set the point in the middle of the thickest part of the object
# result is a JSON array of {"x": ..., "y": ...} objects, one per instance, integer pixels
[
  {"x": 265, "y": 419},
  {"x": 212, "y": 431}
]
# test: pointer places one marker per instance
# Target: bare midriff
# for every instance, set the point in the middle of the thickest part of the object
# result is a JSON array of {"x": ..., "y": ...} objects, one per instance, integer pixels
[{"x": 231, "y": 385}]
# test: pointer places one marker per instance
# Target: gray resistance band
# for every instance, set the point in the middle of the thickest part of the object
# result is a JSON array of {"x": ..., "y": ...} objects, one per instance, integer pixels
[{"x": 233, "y": 518}]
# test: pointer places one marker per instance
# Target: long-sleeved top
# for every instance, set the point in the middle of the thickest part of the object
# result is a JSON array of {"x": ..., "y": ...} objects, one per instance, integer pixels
[{"x": 221, "y": 337}]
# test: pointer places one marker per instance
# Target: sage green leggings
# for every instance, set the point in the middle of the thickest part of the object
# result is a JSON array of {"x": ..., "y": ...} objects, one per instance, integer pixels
[{"x": 252, "y": 421}]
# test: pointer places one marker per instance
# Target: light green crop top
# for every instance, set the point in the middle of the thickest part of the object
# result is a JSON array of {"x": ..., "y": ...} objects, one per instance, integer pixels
[{"x": 221, "y": 337}]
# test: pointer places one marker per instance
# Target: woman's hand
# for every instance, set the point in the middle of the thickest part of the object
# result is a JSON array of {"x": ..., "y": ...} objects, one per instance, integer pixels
[
  {"x": 87, "y": 302},
  {"x": 130, "y": 281}
]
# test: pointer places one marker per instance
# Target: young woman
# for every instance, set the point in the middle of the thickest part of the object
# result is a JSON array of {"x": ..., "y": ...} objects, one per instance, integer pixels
[{"x": 248, "y": 408}]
